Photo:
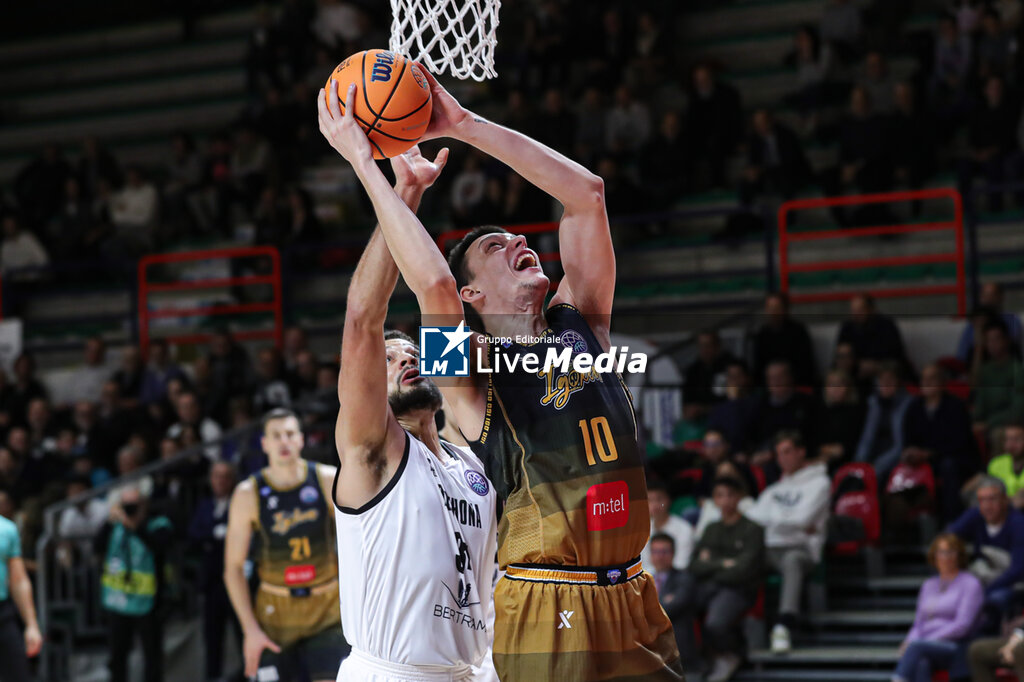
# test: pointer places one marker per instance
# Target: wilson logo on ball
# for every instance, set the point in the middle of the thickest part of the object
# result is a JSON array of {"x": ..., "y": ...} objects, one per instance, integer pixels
[{"x": 382, "y": 67}]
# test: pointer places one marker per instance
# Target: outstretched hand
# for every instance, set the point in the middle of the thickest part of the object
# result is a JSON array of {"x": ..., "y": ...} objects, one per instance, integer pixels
[
  {"x": 341, "y": 130},
  {"x": 412, "y": 169},
  {"x": 446, "y": 115}
]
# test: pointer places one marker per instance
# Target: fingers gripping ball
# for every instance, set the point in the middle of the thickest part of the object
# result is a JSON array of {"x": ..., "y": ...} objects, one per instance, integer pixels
[{"x": 392, "y": 99}]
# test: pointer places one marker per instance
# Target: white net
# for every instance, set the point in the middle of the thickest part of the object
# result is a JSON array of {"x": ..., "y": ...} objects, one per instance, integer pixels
[{"x": 457, "y": 35}]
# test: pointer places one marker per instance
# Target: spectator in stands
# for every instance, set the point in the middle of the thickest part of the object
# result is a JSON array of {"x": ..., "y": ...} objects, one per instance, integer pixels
[
  {"x": 26, "y": 387},
  {"x": 878, "y": 83},
  {"x": 733, "y": 417},
  {"x": 987, "y": 655},
  {"x": 184, "y": 176},
  {"x": 912, "y": 138},
  {"x": 990, "y": 300},
  {"x": 303, "y": 227},
  {"x": 590, "y": 131},
  {"x": 881, "y": 443},
  {"x": 659, "y": 162},
  {"x": 842, "y": 27},
  {"x": 556, "y": 123},
  {"x": 722, "y": 581},
  {"x": 628, "y": 123},
  {"x": 39, "y": 186},
  {"x": 705, "y": 379},
  {"x": 83, "y": 520},
  {"x": 781, "y": 407},
  {"x": 134, "y": 212},
  {"x": 271, "y": 385},
  {"x": 622, "y": 196},
  {"x": 714, "y": 124},
  {"x": 134, "y": 545},
  {"x": 813, "y": 63},
  {"x": 776, "y": 163},
  {"x": 709, "y": 511},
  {"x": 995, "y": 47},
  {"x": 87, "y": 381},
  {"x": 66, "y": 235},
  {"x": 295, "y": 341},
  {"x": 793, "y": 512},
  {"x": 42, "y": 429},
  {"x": 96, "y": 165},
  {"x": 937, "y": 432},
  {"x": 671, "y": 582},
  {"x": 113, "y": 425},
  {"x": 130, "y": 375},
  {"x": 20, "y": 250},
  {"x": 842, "y": 420},
  {"x": 999, "y": 384},
  {"x": 664, "y": 522},
  {"x": 952, "y": 65},
  {"x": 865, "y": 161},
  {"x": 159, "y": 371},
  {"x": 1009, "y": 467},
  {"x": 190, "y": 417},
  {"x": 947, "y": 606},
  {"x": 874, "y": 337},
  {"x": 714, "y": 453},
  {"x": 207, "y": 531},
  {"x": 992, "y": 135},
  {"x": 230, "y": 373},
  {"x": 783, "y": 337},
  {"x": 995, "y": 532}
]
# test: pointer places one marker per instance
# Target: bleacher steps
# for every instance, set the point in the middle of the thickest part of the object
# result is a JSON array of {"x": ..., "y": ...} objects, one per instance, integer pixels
[
  {"x": 858, "y": 618},
  {"x": 863, "y": 655}
]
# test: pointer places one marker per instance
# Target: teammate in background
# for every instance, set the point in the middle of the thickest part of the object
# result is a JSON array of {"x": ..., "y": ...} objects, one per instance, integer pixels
[
  {"x": 415, "y": 514},
  {"x": 15, "y": 647},
  {"x": 293, "y": 632},
  {"x": 575, "y": 603}
]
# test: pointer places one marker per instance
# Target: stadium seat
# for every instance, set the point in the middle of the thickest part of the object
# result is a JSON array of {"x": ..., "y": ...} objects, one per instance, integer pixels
[
  {"x": 905, "y": 477},
  {"x": 759, "y": 476},
  {"x": 858, "y": 504}
]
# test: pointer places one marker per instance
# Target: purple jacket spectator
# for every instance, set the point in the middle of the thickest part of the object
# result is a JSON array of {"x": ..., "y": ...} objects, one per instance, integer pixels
[{"x": 949, "y": 613}]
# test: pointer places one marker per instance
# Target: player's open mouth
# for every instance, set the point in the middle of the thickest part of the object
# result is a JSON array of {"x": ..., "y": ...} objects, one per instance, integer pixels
[
  {"x": 409, "y": 376},
  {"x": 527, "y": 259}
]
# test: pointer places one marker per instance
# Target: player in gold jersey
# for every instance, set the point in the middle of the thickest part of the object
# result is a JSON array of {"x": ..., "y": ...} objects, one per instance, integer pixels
[
  {"x": 560, "y": 447},
  {"x": 293, "y": 632}
]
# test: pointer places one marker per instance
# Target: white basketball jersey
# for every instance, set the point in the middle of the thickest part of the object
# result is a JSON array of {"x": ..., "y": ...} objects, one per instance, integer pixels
[{"x": 416, "y": 563}]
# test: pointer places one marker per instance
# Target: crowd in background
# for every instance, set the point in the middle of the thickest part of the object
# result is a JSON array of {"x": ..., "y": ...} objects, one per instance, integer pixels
[
  {"x": 764, "y": 459},
  {"x": 624, "y": 94}
]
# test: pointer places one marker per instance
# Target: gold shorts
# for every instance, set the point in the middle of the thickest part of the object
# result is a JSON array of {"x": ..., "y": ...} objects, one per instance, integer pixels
[
  {"x": 578, "y": 632},
  {"x": 287, "y": 618}
]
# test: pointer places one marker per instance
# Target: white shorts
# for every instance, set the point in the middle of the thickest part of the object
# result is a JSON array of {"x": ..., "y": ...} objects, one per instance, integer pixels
[{"x": 362, "y": 667}]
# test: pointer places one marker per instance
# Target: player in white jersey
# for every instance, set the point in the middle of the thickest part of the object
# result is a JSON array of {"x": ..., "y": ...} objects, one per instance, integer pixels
[{"x": 415, "y": 515}]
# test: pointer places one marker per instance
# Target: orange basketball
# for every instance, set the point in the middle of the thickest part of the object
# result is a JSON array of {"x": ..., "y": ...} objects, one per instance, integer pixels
[{"x": 392, "y": 99}]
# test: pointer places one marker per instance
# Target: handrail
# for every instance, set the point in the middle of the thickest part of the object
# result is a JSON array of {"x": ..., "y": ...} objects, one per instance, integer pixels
[
  {"x": 145, "y": 288},
  {"x": 957, "y": 256}
]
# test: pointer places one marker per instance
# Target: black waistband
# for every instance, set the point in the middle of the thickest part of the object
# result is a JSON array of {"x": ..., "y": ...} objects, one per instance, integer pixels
[{"x": 606, "y": 575}]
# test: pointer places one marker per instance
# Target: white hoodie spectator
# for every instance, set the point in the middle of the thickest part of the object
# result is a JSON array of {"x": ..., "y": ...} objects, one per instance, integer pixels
[
  {"x": 794, "y": 512},
  {"x": 20, "y": 248}
]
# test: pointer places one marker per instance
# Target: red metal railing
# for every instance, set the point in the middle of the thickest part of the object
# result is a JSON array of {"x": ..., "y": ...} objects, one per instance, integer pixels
[
  {"x": 531, "y": 228},
  {"x": 146, "y": 288},
  {"x": 786, "y": 238}
]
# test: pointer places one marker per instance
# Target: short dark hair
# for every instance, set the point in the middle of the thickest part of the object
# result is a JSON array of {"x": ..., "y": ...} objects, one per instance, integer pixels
[
  {"x": 731, "y": 483},
  {"x": 664, "y": 537},
  {"x": 275, "y": 414},
  {"x": 398, "y": 334},
  {"x": 792, "y": 435},
  {"x": 998, "y": 324},
  {"x": 657, "y": 485},
  {"x": 457, "y": 255}
]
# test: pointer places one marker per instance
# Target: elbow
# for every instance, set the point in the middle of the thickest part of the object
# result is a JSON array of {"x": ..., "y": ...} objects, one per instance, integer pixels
[
  {"x": 437, "y": 286},
  {"x": 592, "y": 193}
]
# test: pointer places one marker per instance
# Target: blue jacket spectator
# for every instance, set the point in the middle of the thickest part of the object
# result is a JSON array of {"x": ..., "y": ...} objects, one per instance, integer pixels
[
  {"x": 158, "y": 374},
  {"x": 881, "y": 443},
  {"x": 998, "y": 554}
]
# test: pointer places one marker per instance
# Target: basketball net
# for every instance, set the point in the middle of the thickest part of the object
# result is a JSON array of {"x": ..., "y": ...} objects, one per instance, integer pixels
[{"x": 457, "y": 35}]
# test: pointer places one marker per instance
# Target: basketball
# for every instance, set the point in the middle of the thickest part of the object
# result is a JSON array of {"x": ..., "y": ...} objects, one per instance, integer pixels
[{"x": 392, "y": 99}]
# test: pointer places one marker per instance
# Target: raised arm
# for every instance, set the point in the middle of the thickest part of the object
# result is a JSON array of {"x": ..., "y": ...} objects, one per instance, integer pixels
[
  {"x": 369, "y": 440},
  {"x": 418, "y": 258},
  {"x": 584, "y": 237}
]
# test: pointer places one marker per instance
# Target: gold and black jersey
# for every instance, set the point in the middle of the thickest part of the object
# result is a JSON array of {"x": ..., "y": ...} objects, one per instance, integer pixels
[
  {"x": 296, "y": 529},
  {"x": 561, "y": 450}
]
